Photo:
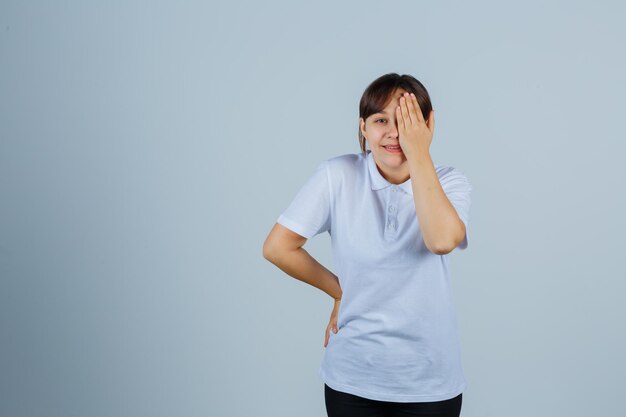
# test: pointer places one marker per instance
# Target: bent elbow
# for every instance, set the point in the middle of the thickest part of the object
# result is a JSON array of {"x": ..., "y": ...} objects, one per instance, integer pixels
[
  {"x": 446, "y": 246},
  {"x": 269, "y": 248},
  {"x": 269, "y": 251},
  {"x": 442, "y": 250}
]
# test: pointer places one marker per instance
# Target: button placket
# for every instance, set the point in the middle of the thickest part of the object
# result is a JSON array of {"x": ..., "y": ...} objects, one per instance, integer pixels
[{"x": 391, "y": 226}]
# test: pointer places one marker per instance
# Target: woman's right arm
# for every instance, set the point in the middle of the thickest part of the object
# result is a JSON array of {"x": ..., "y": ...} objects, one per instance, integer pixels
[{"x": 283, "y": 248}]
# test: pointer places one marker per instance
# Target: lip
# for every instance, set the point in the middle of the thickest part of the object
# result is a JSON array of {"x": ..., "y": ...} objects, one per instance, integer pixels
[{"x": 393, "y": 151}]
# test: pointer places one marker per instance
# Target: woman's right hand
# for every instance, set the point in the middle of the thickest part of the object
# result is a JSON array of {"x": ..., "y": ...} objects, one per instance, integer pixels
[{"x": 332, "y": 324}]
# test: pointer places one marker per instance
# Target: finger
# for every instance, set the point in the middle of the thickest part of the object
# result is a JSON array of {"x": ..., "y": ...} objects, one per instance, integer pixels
[
  {"x": 326, "y": 339},
  {"x": 418, "y": 109},
  {"x": 400, "y": 120},
  {"x": 411, "y": 109},
  {"x": 405, "y": 112}
]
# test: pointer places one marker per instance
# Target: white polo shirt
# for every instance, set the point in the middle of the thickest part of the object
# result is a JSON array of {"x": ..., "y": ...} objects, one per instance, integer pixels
[{"x": 397, "y": 336}]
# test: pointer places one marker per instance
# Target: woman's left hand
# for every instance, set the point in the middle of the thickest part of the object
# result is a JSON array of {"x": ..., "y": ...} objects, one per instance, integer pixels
[{"x": 415, "y": 133}]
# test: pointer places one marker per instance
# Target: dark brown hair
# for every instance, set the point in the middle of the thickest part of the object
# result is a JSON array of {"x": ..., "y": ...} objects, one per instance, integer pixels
[{"x": 379, "y": 92}]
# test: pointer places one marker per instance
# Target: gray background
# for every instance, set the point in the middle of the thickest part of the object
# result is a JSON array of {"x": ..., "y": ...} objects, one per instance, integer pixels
[{"x": 146, "y": 150}]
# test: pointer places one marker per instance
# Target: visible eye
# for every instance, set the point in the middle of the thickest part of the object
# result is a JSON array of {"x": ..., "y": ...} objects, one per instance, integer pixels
[{"x": 376, "y": 121}]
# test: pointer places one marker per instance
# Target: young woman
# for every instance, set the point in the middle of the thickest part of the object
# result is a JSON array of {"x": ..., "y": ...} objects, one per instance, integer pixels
[{"x": 392, "y": 345}]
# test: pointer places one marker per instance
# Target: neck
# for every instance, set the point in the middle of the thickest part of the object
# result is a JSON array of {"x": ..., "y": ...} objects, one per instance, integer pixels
[{"x": 395, "y": 177}]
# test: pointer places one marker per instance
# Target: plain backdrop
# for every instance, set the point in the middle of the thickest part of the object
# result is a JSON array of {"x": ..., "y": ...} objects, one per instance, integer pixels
[{"x": 147, "y": 149}]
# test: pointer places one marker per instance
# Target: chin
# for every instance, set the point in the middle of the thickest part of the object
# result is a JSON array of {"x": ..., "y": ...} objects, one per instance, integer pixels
[{"x": 393, "y": 157}]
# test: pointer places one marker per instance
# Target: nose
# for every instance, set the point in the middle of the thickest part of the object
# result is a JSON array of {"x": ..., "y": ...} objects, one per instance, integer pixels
[{"x": 393, "y": 130}]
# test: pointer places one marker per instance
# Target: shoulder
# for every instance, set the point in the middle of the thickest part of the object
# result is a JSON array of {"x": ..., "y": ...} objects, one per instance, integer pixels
[
  {"x": 345, "y": 161},
  {"x": 447, "y": 170},
  {"x": 450, "y": 175},
  {"x": 349, "y": 162},
  {"x": 345, "y": 169},
  {"x": 346, "y": 166}
]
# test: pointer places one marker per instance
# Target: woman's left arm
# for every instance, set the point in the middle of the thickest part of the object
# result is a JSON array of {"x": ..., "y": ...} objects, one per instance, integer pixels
[{"x": 441, "y": 226}]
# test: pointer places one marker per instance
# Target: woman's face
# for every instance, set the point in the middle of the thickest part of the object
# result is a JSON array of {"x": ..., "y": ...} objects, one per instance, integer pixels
[{"x": 380, "y": 130}]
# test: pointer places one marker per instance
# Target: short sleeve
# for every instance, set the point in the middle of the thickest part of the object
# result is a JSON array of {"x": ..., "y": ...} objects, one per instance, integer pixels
[
  {"x": 458, "y": 189},
  {"x": 309, "y": 213}
]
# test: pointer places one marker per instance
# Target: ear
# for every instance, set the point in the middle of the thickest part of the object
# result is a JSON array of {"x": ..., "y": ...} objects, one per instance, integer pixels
[{"x": 362, "y": 126}]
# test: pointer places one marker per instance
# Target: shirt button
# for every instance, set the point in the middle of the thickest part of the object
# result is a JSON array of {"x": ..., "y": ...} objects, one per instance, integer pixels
[
  {"x": 393, "y": 190},
  {"x": 391, "y": 209}
]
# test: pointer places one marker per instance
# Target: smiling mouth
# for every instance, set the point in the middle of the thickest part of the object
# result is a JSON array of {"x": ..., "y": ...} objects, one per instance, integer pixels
[{"x": 393, "y": 149}]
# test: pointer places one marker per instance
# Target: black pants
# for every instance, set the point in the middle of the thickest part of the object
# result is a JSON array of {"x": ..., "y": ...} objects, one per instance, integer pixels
[{"x": 342, "y": 404}]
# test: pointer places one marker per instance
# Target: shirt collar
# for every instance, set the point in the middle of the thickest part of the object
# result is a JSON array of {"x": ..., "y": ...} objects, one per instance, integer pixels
[{"x": 379, "y": 182}]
